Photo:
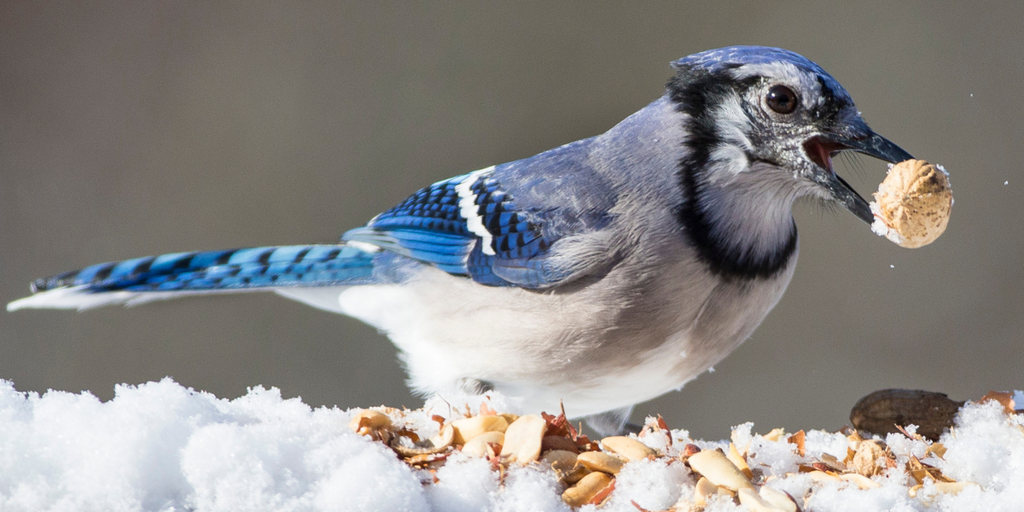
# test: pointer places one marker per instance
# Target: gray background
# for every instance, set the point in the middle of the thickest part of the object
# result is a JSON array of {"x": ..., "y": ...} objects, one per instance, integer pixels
[{"x": 136, "y": 128}]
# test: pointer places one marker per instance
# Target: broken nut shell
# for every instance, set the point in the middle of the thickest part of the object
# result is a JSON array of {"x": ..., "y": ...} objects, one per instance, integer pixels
[
  {"x": 368, "y": 420},
  {"x": 436, "y": 444}
]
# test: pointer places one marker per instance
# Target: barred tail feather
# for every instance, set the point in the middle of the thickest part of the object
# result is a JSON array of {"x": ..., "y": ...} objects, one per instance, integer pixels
[{"x": 174, "y": 275}]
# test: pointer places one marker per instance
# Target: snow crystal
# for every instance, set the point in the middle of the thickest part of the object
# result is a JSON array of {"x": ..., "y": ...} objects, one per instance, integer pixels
[
  {"x": 464, "y": 484},
  {"x": 653, "y": 485}
]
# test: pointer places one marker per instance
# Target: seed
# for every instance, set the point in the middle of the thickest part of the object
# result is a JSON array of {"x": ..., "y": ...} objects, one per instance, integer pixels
[
  {"x": 480, "y": 446},
  {"x": 737, "y": 460},
  {"x": 702, "y": 490},
  {"x": 627, "y": 447},
  {"x": 468, "y": 428},
  {"x": 823, "y": 477},
  {"x": 755, "y": 503},
  {"x": 689, "y": 450},
  {"x": 860, "y": 480},
  {"x": 600, "y": 461},
  {"x": 586, "y": 489},
  {"x": 778, "y": 499},
  {"x": 523, "y": 439},
  {"x": 714, "y": 466}
]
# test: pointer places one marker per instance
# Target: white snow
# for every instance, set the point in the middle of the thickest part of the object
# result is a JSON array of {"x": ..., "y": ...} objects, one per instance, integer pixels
[{"x": 161, "y": 446}]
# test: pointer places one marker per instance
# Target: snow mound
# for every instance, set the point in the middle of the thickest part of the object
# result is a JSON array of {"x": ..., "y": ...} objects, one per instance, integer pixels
[{"x": 163, "y": 447}]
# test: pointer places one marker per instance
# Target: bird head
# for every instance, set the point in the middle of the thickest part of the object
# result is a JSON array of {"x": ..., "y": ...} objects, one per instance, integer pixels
[{"x": 762, "y": 125}]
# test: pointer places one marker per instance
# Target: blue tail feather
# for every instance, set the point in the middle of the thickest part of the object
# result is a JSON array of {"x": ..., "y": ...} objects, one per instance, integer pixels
[{"x": 258, "y": 267}]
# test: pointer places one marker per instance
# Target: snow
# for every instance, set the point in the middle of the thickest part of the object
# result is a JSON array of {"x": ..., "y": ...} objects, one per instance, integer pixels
[{"x": 164, "y": 447}]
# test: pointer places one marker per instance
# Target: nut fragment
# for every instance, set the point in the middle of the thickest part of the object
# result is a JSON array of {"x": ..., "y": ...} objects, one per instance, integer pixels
[
  {"x": 600, "y": 461},
  {"x": 702, "y": 490},
  {"x": 823, "y": 477},
  {"x": 738, "y": 461},
  {"x": 480, "y": 446},
  {"x": 913, "y": 204},
  {"x": 778, "y": 499},
  {"x": 523, "y": 439},
  {"x": 714, "y": 466},
  {"x": 627, "y": 447},
  {"x": 468, "y": 428},
  {"x": 755, "y": 503},
  {"x": 860, "y": 480},
  {"x": 953, "y": 487},
  {"x": 866, "y": 460},
  {"x": 774, "y": 435},
  {"x": 587, "y": 489},
  {"x": 562, "y": 461},
  {"x": 436, "y": 444},
  {"x": 370, "y": 423}
]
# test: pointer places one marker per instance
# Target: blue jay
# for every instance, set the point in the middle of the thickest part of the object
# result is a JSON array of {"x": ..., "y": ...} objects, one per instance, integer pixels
[{"x": 602, "y": 273}]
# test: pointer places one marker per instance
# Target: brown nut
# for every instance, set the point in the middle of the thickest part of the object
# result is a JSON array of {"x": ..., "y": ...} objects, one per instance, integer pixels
[
  {"x": 860, "y": 480},
  {"x": 627, "y": 447},
  {"x": 879, "y": 412},
  {"x": 738, "y": 461},
  {"x": 756, "y": 503},
  {"x": 480, "y": 446},
  {"x": 468, "y": 428},
  {"x": 702, "y": 490},
  {"x": 523, "y": 439},
  {"x": 586, "y": 489},
  {"x": 600, "y": 461},
  {"x": 913, "y": 204},
  {"x": 713, "y": 465},
  {"x": 778, "y": 499}
]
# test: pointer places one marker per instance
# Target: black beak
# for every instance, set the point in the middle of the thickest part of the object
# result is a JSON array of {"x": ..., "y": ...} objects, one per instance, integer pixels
[
  {"x": 821, "y": 150},
  {"x": 877, "y": 146}
]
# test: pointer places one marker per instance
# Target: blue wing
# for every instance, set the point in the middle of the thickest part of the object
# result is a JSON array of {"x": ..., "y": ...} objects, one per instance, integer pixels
[{"x": 499, "y": 225}]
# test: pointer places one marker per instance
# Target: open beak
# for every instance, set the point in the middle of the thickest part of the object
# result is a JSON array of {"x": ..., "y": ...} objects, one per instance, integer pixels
[{"x": 821, "y": 149}]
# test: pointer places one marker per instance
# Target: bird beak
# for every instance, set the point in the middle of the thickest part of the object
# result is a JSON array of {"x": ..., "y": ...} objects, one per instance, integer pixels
[{"x": 821, "y": 149}]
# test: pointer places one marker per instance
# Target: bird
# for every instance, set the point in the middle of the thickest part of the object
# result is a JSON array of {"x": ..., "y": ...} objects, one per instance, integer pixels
[{"x": 599, "y": 274}]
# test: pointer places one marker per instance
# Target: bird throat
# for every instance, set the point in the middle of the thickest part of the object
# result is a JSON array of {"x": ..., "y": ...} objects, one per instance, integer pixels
[
  {"x": 742, "y": 229},
  {"x": 736, "y": 211}
]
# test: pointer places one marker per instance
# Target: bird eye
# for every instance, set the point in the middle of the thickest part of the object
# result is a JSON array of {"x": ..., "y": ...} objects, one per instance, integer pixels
[{"x": 782, "y": 99}]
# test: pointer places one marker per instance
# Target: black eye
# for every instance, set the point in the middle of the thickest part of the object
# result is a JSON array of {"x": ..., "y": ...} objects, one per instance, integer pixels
[{"x": 782, "y": 99}]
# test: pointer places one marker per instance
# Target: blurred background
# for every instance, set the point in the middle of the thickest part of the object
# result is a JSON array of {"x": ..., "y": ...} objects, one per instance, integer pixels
[{"x": 137, "y": 128}]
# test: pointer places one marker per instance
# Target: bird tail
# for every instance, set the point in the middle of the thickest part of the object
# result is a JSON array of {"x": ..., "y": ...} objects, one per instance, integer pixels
[{"x": 174, "y": 275}]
